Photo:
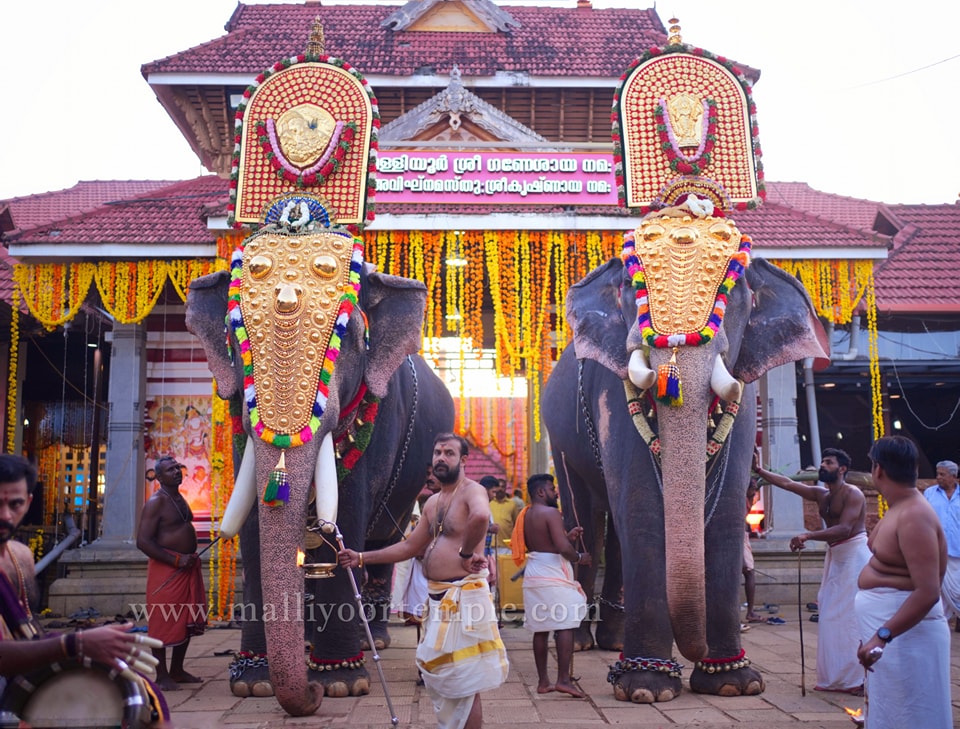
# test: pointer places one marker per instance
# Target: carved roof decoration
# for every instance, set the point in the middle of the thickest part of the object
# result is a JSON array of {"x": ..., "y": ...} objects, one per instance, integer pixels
[
  {"x": 447, "y": 15},
  {"x": 452, "y": 105}
]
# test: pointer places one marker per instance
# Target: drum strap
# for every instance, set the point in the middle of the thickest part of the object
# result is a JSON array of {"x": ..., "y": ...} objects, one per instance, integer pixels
[{"x": 13, "y": 612}]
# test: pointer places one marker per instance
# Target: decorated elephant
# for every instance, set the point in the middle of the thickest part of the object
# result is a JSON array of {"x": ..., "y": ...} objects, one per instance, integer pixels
[
  {"x": 671, "y": 464},
  {"x": 273, "y": 357}
]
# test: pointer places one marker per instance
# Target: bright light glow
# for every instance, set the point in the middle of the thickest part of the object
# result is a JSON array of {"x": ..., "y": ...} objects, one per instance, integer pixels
[
  {"x": 839, "y": 436},
  {"x": 897, "y": 425},
  {"x": 475, "y": 368}
]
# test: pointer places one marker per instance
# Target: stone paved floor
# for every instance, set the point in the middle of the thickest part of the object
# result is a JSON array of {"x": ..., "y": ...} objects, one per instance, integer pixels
[{"x": 774, "y": 649}]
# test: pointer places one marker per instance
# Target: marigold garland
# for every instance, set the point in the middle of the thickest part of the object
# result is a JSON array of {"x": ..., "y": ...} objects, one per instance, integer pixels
[
  {"x": 54, "y": 292},
  {"x": 12, "y": 379},
  {"x": 838, "y": 288},
  {"x": 223, "y": 563}
]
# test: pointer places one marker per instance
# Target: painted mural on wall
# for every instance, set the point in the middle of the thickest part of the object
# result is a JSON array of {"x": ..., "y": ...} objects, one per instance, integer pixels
[{"x": 179, "y": 426}]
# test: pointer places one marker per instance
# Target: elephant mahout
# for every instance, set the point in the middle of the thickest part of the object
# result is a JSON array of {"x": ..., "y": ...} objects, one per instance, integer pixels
[
  {"x": 273, "y": 356},
  {"x": 671, "y": 472}
]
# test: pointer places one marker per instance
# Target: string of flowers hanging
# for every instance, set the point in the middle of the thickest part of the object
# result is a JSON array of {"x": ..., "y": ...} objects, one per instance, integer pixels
[
  {"x": 12, "y": 363},
  {"x": 54, "y": 292},
  {"x": 838, "y": 288},
  {"x": 223, "y": 564}
]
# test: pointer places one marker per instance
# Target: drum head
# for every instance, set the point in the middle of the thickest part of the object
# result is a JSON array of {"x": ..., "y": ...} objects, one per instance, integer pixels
[{"x": 78, "y": 696}]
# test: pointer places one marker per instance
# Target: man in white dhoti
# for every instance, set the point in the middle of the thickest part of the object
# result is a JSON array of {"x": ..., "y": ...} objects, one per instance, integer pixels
[
  {"x": 944, "y": 497},
  {"x": 460, "y": 652},
  {"x": 842, "y": 507},
  {"x": 905, "y": 637},
  {"x": 552, "y": 598}
]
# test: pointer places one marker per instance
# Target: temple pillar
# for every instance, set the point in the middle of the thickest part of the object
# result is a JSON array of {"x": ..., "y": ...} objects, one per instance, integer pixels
[{"x": 781, "y": 445}]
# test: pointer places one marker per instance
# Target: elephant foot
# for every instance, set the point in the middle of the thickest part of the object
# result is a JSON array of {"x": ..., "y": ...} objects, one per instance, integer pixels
[
  {"x": 610, "y": 626},
  {"x": 381, "y": 636},
  {"x": 729, "y": 678},
  {"x": 583, "y": 637},
  {"x": 250, "y": 676},
  {"x": 342, "y": 682},
  {"x": 645, "y": 680}
]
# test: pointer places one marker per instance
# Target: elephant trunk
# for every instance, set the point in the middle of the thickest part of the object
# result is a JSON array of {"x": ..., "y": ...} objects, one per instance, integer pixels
[
  {"x": 281, "y": 538},
  {"x": 683, "y": 436}
]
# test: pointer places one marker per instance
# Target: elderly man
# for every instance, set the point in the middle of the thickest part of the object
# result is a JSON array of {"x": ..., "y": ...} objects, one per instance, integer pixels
[{"x": 945, "y": 500}]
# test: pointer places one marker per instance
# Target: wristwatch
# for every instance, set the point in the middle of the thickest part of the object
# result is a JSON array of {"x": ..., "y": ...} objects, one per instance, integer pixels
[{"x": 884, "y": 634}]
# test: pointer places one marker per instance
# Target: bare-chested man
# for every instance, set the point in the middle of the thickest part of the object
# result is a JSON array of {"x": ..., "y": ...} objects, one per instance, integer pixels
[
  {"x": 176, "y": 599},
  {"x": 552, "y": 598},
  {"x": 460, "y": 652},
  {"x": 843, "y": 510},
  {"x": 906, "y": 639},
  {"x": 21, "y": 648}
]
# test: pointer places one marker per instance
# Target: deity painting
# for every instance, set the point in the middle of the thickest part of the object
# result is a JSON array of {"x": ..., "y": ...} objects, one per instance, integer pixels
[
  {"x": 686, "y": 118},
  {"x": 304, "y": 133},
  {"x": 181, "y": 428}
]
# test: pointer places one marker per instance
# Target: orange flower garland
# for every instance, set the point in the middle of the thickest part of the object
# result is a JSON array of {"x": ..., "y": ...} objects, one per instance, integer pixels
[{"x": 12, "y": 379}]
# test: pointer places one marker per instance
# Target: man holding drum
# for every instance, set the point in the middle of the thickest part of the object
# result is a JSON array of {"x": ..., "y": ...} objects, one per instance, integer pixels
[
  {"x": 176, "y": 599},
  {"x": 110, "y": 645}
]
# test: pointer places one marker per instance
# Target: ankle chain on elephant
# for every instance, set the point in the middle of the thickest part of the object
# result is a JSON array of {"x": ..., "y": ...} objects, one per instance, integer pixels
[
  {"x": 657, "y": 665},
  {"x": 403, "y": 455},
  {"x": 244, "y": 661},
  {"x": 718, "y": 665},
  {"x": 333, "y": 664}
]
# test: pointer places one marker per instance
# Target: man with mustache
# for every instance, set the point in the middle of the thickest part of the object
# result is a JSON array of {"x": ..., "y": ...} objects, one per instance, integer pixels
[
  {"x": 460, "y": 652},
  {"x": 20, "y": 650},
  {"x": 843, "y": 510}
]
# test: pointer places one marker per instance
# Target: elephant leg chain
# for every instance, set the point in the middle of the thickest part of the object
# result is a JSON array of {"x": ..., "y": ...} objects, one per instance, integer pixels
[
  {"x": 403, "y": 457},
  {"x": 591, "y": 431}
]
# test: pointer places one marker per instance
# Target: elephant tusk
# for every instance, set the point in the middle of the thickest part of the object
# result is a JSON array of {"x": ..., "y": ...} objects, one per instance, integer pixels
[
  {"x": 723, "y": 383},
  {"x": 639, "y": 371},
  {"x": 244, "y": 494},
  {"x": 325, "y": 482}
]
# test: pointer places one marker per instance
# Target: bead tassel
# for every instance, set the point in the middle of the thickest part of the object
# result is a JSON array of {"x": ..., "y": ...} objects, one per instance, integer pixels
[
  {"x": 277, "y": 492},
  {"x": 668, "y": 382}
]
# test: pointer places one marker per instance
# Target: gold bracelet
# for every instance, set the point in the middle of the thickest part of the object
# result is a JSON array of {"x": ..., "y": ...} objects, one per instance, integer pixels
[{"x": 360, "y": 554}]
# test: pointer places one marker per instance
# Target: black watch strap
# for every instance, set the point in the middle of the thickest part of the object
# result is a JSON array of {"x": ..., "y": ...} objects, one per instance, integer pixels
[
  {"x": 884, "y": 634},
  {"x": 468, "y": 555}
]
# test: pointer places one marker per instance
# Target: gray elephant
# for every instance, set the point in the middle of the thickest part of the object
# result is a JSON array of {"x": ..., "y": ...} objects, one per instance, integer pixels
[
  {"x": 673, "y": 486},
  {"x": 368, "y": 503}
]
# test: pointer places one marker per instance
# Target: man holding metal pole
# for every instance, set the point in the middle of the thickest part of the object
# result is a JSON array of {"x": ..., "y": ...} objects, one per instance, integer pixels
[
  {"x": 460, "y": 653},
  {"x": 842, "y": 507}
]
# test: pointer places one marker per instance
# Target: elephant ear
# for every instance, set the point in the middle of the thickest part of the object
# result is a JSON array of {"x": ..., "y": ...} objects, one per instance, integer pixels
[
  {"x": 206, "y": 312},
  {"x": 593, "y": 312},
  {"x": 783, "y": 326},
  {"x": 394, "y": 307}
]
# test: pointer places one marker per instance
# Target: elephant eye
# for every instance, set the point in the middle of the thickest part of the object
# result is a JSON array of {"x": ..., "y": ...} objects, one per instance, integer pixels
[
  {"x": 324, "y": 266},
  {"x": 653, "y": 231},
  {"x": 721, "y": 231},
  {"x": 260, "y": 266}
]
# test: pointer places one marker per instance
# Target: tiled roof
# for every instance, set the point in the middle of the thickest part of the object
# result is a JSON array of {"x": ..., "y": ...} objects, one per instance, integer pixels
[
  {"x": 849, "y": 211},
  {"x": 549, "y": 42},
  {"x": 172, "y": 214},
  {"x": 33, "y": 210},
  {"x": 926, "y": 254}
]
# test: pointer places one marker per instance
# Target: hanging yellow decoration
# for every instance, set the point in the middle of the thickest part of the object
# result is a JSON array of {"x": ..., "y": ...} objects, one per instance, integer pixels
[
  {"x": 54, "y": 292},
  {"x": 12, "y": 379},
  {"x": 222, "y": 564}
]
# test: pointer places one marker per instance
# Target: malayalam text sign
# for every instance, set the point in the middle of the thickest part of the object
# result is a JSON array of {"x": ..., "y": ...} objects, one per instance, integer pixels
[{"x": 496, "y": 178}]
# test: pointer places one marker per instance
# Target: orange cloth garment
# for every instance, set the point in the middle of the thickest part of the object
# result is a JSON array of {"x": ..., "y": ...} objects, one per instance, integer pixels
[
  {"x": 518, "y": 542},
  {"x": 176, "y": 602}
]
